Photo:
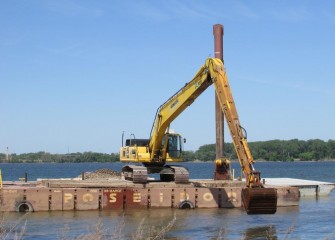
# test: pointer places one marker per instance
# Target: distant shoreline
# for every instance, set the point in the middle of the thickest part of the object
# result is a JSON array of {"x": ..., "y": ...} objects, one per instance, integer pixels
[
  {"x": 262, "y": 160},
  {"x": 195, "y": 161}
]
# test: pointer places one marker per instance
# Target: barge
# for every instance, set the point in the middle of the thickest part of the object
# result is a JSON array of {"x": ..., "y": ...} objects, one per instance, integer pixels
[{"x": 109, "y": 194}]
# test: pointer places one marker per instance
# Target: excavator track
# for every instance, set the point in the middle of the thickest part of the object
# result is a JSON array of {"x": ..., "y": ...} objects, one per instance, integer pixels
[
  {"x": 259, "y": 200},
  {"x": 181, "y": 174},
  {"x": 139, "y": 174},
  {"x": 136, "y": 174}
]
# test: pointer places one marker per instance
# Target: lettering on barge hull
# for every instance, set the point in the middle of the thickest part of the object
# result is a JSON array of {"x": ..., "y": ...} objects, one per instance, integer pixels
[
  {"x": 135, "y": 198},
  {"x": 160, "y": 198},
  {"x": 89, "y": 199},
  {"x": 112, "y": 198},
  {"x": 50, "y": 199}
]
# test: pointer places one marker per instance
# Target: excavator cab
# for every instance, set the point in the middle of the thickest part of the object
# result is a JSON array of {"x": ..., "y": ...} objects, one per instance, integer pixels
[{"x": 174, "y": 148}]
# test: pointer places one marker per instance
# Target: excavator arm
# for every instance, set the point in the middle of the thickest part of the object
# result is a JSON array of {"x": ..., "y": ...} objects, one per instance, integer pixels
[
  {"x": 223, "y": 92},
  {"x": 256, "y": 199}
]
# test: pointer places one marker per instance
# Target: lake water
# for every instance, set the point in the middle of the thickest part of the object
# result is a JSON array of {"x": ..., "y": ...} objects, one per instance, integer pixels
[{"x": 312, "y": 219}]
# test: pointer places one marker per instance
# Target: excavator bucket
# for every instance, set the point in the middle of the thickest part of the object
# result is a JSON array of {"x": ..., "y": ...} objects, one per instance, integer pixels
[{"x": 259, "y": 200}]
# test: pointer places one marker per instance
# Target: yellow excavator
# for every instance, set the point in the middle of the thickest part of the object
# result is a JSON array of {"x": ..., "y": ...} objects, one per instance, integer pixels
[{"x": 166, "y": 146}]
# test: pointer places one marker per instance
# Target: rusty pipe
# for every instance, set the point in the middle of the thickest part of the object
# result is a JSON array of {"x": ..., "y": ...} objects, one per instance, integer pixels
[
  {"x": 219, "y": 172},
  {"x": 219, "y": 118},
  {"x": 218, "y": 41}
]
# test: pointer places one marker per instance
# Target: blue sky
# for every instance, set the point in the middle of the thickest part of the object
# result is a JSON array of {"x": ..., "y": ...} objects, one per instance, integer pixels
[{"x": 75, "y": 74}]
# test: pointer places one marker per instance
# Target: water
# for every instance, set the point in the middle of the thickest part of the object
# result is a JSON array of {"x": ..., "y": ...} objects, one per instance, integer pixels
[
  {"x": 321, "y": 171},
  {"x": 312, "y": 219}
]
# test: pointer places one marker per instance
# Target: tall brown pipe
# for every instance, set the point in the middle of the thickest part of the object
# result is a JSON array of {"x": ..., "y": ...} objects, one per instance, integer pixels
[
  {"x": 218, "y": 53},
  {"x": 218, "y": 41}
]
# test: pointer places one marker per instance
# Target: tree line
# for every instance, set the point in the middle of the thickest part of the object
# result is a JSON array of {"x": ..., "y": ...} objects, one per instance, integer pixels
[
  {"x": 45, "y": 157},
  {"x": 274, "y": 150}
]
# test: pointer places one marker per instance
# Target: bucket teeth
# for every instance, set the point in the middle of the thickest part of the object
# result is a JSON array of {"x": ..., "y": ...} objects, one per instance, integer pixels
[{"x": 259, "y": 200}]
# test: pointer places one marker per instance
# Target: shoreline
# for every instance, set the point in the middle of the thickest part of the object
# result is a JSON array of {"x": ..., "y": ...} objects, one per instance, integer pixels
[{"x": 195, "y": 161}]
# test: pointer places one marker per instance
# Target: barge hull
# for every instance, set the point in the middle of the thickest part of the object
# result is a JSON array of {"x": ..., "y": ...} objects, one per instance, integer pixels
[{"x": 81, "y": 195}]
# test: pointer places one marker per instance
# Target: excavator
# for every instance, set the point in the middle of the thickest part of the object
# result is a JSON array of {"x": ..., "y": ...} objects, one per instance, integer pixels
[{"x": 165, "y": 146}]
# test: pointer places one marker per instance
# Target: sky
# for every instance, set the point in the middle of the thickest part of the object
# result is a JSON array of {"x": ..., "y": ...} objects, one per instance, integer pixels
[{"x": 74, "y": 75}]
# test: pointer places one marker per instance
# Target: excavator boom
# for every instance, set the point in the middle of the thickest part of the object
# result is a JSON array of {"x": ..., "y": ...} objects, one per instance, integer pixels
[{"x": 173, "y": 107}]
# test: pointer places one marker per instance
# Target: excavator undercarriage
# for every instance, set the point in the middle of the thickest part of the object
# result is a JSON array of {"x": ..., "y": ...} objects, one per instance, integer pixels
[{"x": 139, "y": 174}]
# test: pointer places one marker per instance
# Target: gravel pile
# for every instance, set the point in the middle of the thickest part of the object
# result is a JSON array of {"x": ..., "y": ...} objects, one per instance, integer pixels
[{"x": 102, "y": 173}]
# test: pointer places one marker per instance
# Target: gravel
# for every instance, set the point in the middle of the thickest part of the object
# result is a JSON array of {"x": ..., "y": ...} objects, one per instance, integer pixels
[{"x": 102, "y": 173}]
